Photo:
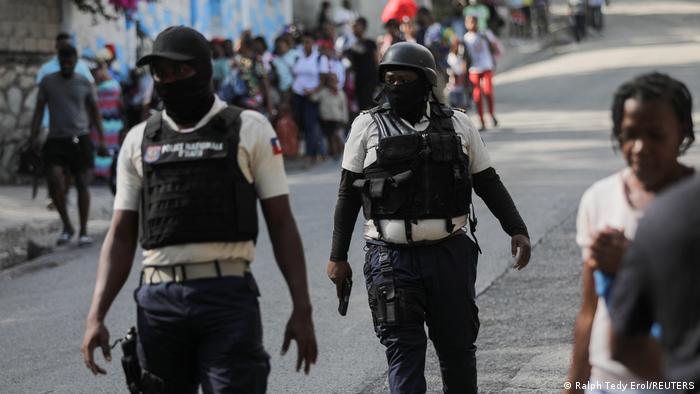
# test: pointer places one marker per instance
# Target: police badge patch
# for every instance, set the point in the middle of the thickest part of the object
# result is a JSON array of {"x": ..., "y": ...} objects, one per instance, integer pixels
[{"x": 152, "y": 154}]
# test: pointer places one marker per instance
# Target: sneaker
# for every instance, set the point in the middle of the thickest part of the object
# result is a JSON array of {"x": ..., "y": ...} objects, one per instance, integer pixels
[
  {"x": 495, "y": 121},
  {"x": 64, "y": 238},
  {"x": 84, "y": 240}
]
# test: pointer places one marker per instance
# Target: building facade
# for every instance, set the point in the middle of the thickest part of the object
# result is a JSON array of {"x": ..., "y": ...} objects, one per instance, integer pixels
[{"x": 28, "y": 29}]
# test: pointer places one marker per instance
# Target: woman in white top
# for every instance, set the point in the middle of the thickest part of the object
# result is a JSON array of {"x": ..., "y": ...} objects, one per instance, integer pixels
[
  {"x": 652, "y": 127},
  {"x": 308, "y": 70}
]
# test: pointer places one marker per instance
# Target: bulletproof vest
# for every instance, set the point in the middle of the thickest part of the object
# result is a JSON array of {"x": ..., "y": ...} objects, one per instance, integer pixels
[
  {"x": 417, "y": 175},
  {"x": 193, "y": 189}
]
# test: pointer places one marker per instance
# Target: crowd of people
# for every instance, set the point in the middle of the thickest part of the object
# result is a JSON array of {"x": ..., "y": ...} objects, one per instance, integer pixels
[{"x": 313, "y": 82}]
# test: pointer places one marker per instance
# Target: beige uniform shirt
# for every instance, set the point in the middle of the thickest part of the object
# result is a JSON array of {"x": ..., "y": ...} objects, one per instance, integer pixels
[
  {"x": 258, "y": 157},
  {"x": 361, "y": 151}
]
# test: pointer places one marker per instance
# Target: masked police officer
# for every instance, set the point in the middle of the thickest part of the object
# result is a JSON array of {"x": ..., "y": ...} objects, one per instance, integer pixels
[
  {"x": 411, "y": 164},
  {"x": 189, "y": 179}
]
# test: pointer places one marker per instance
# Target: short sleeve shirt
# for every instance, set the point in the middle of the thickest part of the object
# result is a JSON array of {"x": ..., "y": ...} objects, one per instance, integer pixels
[
  {"x": 604, "y": 205},
  {"x": 307, "y": 71},
  {"x": 51, "y": 67},
  {"x": 67, "y": 100},
  {"x": 477, "y": 46},
  {"x": 361, "y": 151},
  {"x": 259, "y": 158}
]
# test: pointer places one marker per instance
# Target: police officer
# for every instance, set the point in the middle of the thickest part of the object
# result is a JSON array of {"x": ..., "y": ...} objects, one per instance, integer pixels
[
  {"x": 411, "y": 164},
  {"x": 189, "y": 179}
]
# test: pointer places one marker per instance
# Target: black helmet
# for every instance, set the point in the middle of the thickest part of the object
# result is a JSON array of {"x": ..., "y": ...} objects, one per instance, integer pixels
[{"x": 411, "y": 55}]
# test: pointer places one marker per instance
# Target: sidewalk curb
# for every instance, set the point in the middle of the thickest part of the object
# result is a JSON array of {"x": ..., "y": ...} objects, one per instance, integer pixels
[
  {"x": 23, "y": 241},
  {"x": 14, "y": 241}
]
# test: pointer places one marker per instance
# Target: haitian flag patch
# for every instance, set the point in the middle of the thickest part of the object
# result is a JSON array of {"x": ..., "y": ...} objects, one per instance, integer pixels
[
  {"x": 152, "y": 154},
  {"x": 276, "y": 146}
]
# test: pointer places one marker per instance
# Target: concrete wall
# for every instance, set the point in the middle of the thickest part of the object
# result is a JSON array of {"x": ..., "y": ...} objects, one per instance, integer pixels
[
  {"x": 28, "y": 29},
  {"x": 27, "y": 32},
  {"x": 28, "y": 25}
]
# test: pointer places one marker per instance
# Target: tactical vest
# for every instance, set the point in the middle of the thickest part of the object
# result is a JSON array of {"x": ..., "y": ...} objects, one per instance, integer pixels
[
  {"x": 193, "y": 189},
  {"x": 416, "y": 176}
]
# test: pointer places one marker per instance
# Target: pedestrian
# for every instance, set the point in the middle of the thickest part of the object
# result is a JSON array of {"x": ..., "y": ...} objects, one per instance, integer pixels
[
  {"x": 541, "y": 11},
  {"x": 198, "y": 316},
  {"x": 363, "y": 60},
  {"x": 517, "y": 26},
  {"x": 109, "y": 103},
  {"x": 222, "y": 64},
  {"x": 527, "y": 12},
  {"x": 138, "y": 96},
  {"x": 456, "y": 79},
  {"x": 324, "y": 15},
  {"x": 480, "y": 11},
  {"x": 307, "y": 79},
  {"x": 431, "y": 29},
  {"x": 50, "y": 67},
  {"x": 595, "y": 14},
  {"x": 344, "y": 17},
  {"x": 650, "y": 117},
  {"x": 283, "y": 66},
  {"x": 411, "y": 164},
  {"x": 657, "y": 285},
  {"x": 577, "y": 18},
  {"x": 72, "y": 102},
  {"x": 335, "y": 63},
  {"x": 261, "y": 51},
  {"x": 333, "y": 112},
  {"x": 392, "y": 36},
  {"x": 480, "y": 51}
]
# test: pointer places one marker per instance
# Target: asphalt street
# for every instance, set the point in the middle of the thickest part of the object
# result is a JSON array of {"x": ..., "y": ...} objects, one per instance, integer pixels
[{"x": 551, "y": 144}]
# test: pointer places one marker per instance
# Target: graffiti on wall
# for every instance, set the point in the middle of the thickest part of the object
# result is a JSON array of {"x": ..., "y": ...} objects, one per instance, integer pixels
[{"x": 214, "y": 18}]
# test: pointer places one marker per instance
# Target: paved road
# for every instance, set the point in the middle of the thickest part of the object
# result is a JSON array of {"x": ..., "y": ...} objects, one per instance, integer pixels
[{"x": 553, "y": 142}]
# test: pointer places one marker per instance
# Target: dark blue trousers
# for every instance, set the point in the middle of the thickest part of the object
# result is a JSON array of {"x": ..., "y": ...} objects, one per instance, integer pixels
[
  {"x": 204, "y": 331},
  {"x": 307, "y": 114},
  {"x": 436, "y": 283}
]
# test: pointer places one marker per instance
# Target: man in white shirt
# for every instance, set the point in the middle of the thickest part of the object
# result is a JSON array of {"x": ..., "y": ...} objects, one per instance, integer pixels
[
  {"x": 410, "y": 163},
  {"x": 189, "y": 179}
]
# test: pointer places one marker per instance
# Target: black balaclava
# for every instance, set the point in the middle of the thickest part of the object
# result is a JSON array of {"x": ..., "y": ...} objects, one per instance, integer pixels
[
  {"x": 187, "y": 100},
  {"x": 408, "y": 100}
]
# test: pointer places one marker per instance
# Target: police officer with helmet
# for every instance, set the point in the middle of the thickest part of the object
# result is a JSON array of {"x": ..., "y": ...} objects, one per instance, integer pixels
[
  {"x": 189, "y": 180},
  {"x": 411, "y": 164}
]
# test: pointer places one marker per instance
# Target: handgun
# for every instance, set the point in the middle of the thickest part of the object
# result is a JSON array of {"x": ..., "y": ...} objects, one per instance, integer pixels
[{"x": 344, "y": 300}]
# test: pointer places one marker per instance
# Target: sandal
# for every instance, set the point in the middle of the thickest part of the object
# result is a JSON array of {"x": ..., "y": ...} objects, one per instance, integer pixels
[
  {"x": 84, "y": 240},
  {"x": 64, "y": 238}
]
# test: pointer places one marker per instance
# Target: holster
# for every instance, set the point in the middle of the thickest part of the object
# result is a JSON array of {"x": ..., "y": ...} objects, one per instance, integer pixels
[
  {"x": 138, "y": 381},
  {"x": 130, "y": 362},
  {"x": 391, "y": 306},
  {"x": 387, "y": 305}
]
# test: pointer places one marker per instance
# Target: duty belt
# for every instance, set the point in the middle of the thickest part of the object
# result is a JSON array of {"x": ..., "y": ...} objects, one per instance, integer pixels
[{"x": 178, "y": 273}]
